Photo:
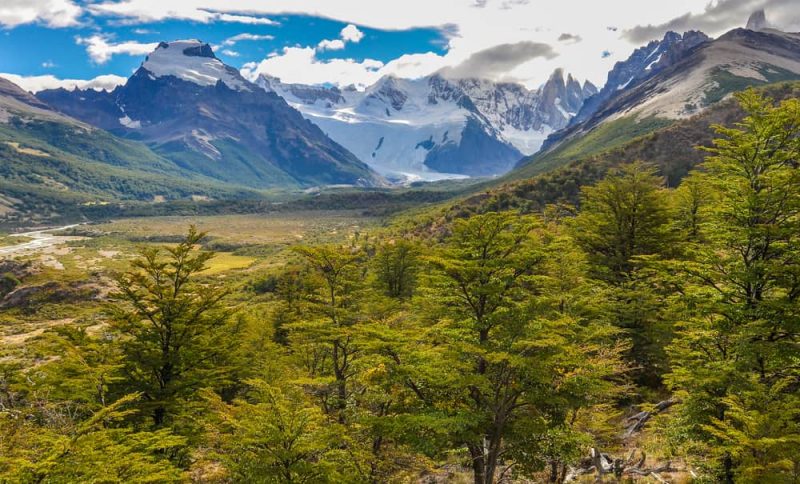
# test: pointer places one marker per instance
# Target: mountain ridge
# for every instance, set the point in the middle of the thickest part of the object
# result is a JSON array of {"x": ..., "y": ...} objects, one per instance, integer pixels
[{"x": 193, "y": 109}]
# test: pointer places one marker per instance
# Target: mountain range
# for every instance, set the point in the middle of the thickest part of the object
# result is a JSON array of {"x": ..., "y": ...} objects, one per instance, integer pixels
[
  {"x": 436, "y": 127},
  {"x": 692, "y": 74},
  {"x": 185, "y": 125}
]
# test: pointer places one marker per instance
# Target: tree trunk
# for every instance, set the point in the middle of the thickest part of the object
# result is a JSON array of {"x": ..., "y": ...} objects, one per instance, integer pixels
[
  {"x": 727, "y": 469},
  {"x": 478, "y": 464},
  {"x": 158, "y": 415}
]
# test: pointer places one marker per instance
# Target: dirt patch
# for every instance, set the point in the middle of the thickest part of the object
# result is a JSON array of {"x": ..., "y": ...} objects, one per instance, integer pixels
[
  {"x": 21, "y": 338},
  {"x": 27, "y": 151},
  {"x": 28, "y": 298}
]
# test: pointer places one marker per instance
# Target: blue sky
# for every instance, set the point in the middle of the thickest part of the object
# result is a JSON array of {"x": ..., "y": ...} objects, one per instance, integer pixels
[
  {"x": 49, "y": 43},
  {"x": 32, "y": 50}
]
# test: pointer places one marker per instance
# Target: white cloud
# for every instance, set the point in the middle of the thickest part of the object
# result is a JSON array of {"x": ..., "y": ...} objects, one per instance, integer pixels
[
  {"x": 335, "y": 44},
  {"x": 101, "y": 51},
  {"x": 158, "y": 10},
  {"x": 300, "y": 65},
  {"x": 231, "y": 41},
  {"x": 348, "y": 34},
  {"x": 230, "y": 53},
  {"x": 40, "y": 83},
  {"x": 352, "y": 34},
  {"x": 239, "y": 19},
  {"x": 53, "y": 13},
  {"x": 469, "y": 26}
]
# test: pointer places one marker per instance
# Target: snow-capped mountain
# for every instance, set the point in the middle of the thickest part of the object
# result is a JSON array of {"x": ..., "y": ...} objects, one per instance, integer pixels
[
  {"x": 435, "y": 127},
  {"x": 195, "y": 110}
]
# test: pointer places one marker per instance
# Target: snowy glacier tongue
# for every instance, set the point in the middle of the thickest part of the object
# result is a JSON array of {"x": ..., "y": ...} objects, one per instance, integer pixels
[{"x": 193, "y": 61}]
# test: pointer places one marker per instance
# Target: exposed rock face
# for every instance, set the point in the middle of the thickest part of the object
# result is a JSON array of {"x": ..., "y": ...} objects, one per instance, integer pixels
[
  {"x": 205, "y": 116},
  {"x": 10, "y": 90},
  {"x": 642, "y": 64}
]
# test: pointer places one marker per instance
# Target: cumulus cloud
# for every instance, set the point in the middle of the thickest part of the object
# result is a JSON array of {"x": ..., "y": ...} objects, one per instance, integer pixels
[
  {"x": 53, "y": 13},
  {"x": 230, "y": 53},
  {"x": 100, "y": 50},
  {"x": 496, "y": 61},
  {"x": 352, "y": 34},
  {"x": 300, "y": 65},
  {"x": 348, "y": 34},
  {"x": 40, "y": 83},
  {"x": 335, "y": 44}
]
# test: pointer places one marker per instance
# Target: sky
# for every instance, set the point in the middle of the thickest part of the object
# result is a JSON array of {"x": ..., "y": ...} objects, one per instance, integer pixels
[{"x": 99, "y": 43}]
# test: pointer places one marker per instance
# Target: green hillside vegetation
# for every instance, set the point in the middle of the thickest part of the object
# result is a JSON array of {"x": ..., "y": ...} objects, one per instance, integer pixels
[
  {"x": 605, "y": 137},
  {"x": 51, "y": 168}
]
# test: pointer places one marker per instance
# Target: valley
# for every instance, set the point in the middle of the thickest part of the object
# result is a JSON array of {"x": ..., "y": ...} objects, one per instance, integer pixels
[{"x": 445, "y": 264}]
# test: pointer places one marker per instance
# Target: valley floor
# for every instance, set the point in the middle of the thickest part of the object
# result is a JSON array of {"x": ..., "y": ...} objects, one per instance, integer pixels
[{"x": 70, "y": 269}]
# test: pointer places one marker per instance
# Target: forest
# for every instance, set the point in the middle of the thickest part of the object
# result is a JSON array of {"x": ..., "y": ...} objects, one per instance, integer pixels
[{"x": 646, "y": 333}]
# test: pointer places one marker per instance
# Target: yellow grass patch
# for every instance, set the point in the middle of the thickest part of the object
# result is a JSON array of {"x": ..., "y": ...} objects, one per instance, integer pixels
[{"x": 225, "y": 261}]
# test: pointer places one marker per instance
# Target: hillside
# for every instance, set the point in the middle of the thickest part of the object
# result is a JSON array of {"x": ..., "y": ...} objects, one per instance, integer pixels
[
  {"x": 52, "y": 164},
  {"x": 696, "y": 79}
]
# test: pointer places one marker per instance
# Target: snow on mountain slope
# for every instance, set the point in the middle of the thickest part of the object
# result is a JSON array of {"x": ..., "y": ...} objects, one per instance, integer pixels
[
  {"x": 433, "y": 127},
  {"x": 193, "y": 61}
]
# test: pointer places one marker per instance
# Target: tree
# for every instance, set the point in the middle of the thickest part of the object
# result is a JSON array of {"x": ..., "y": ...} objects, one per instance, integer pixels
[
  {"x": 512, "y": 365},
  {"x": 622, "y": 217},
  {"x": 176, "y": 332},
  {"x": 736, "y": 362},
  {"x": 396, "y": 268},
  {"x": 275, "y": 435},
  {"x": 99, "y": 449},
  {"x": 625, "y": 224},
  {"x": 330, "y": 336}
]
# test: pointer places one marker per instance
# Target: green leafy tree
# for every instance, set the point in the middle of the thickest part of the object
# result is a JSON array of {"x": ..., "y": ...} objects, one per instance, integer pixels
[
  {"x": 277, "y": 435},
  {"x": 176, "y": 333},
  {"x": 99, "y": 449},
  {"x": 624, "y": 225},
  {"x": 736, "y": 361},
  {"x": 396, "y": 265},
  {"x": 624, "y": 216},
  {"x": 504, "y": 354},
  {"x": 329, "y": 337}
]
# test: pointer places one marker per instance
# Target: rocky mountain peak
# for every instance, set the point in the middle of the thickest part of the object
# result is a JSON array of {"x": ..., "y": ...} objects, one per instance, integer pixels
[
  {"x": 642, "y": 64},
  {"x": 757, "y": 21},
  {"x": 589, "y": 89}
]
